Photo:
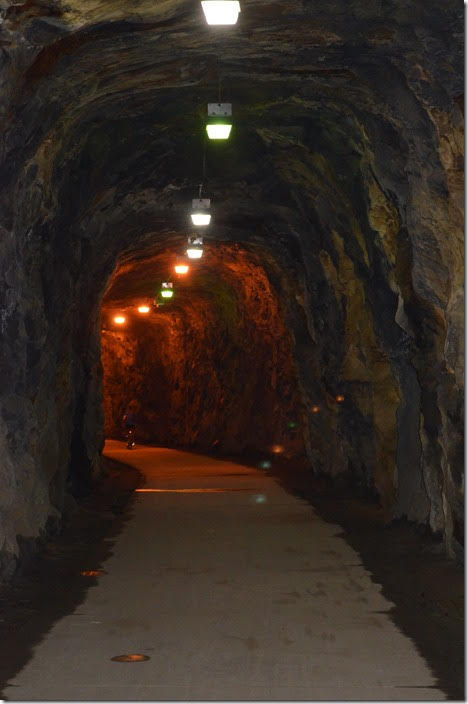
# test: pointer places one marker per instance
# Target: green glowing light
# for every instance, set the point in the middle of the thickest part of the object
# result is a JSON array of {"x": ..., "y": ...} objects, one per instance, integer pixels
[{"x": 218, "y": 130}]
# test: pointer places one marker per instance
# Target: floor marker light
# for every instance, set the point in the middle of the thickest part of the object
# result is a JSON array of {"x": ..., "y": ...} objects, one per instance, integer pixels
[
  {"x": 120, "y": 319},
  {"x": 166, "y": 290},
  {"x": 219, "y": 123},
  {"x": 221, "y": 11},
  {"x": 200, "y": 212},
  {"x": 195, "y": 247},
  {"x": 143, "y": 309}
]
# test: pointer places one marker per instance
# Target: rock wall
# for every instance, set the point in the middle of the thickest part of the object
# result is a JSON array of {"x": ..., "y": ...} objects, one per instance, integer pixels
[
  {"x": 343, "y": 176},
  {"x": 212, "y": 371}
]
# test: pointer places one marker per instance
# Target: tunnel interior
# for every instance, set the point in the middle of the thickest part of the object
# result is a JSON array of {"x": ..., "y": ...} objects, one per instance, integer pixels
[
  {"x": 333, "y": 267},
  {"x": 209, "y": 369}
]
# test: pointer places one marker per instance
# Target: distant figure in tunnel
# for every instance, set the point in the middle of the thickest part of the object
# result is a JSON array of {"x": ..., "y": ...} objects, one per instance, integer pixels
[{"x": 129, "y": 420}]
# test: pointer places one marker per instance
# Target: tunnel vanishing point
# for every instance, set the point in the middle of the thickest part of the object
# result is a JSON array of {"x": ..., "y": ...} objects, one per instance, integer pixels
[{"x": 325, "y": 318}]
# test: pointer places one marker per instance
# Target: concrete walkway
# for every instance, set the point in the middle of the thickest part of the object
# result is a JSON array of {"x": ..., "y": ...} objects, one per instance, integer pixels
[{"x": 235, "y": 590}]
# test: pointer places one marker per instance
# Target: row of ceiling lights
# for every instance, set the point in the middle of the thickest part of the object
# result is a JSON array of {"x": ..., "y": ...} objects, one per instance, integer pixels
[
  {"x": 217, "y": 12},
  {"x": 219, "y": 126},
  {"x": 200, "y": 217}
]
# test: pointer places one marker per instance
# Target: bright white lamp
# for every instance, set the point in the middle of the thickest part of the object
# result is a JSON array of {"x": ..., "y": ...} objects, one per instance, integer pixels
[
  {"x": 201, "y": 212},
  {"x": 221, "y": 11},
  {"x": 218, "y": 131},
  {"x": 201, "y": 219},
  {"x": 195, "y": 248}
]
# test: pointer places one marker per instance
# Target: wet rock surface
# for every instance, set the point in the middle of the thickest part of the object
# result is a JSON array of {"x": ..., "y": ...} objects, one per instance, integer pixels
[{"x": 343, "y": 180}]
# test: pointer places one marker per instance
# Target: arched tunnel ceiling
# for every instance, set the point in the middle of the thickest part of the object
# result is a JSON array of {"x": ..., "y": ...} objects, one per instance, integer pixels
[
  {"x": 107, "y": 106},
  {"x": 138, "y": 279},
  {"x": 126, "y": 92},
  {"x": 342, "y": 184}
]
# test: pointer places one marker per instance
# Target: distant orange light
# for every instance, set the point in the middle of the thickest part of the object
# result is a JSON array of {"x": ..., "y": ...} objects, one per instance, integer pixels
[
  {"x": 131, "y": 657},
  {"x": 315, "y": 409},
  {"x": 277, "y": 449},
  {"x": 143, "y": 309},
  {"x": 91, "y": 573},
  {"x": 340, "y": 398},
  {"x": 181, "y": 268},
  {"x": 120, "y": 319}
]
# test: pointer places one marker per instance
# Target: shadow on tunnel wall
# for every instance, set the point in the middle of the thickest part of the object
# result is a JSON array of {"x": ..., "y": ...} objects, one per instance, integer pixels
[{"x": 50, "y": 585}]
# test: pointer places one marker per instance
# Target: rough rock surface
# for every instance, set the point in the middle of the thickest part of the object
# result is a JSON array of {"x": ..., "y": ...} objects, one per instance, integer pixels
[
  {"x": 212, "y": 369},
  {"x": 343, "y": 177}
]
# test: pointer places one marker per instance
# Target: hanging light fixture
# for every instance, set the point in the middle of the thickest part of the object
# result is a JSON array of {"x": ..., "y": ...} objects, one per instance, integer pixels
[
  {"x": 221, "y": 11},
  {"x": 201, "y": 212},
  {"x": 166, "y": 290},
  {"x": 181, "y": 267},
  {"x": 143, "y": 309},
  {"x": 195, "y": 248},
  {"x": 219, "y": 123},
  {"x": 120, "y": 319}
]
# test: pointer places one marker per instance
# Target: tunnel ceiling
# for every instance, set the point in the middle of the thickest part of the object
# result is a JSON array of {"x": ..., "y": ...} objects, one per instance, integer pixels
[
  {"x": 341, "y": 186},
  {"x": 335, "y": 107},
  {"x": 109, "y": 105},
  {"x": 138, "y": 277}
]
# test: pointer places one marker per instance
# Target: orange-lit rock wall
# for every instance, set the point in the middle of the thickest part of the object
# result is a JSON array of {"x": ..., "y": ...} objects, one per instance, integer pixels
[{"x": 217, "y": 373}]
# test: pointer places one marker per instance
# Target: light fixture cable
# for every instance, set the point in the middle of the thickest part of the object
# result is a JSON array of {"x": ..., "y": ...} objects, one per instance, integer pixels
[{"x": 200, "y": 187}]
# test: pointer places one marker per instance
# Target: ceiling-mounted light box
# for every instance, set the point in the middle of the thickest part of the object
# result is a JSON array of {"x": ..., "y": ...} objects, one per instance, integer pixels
[
  {"x": 167, "y": 290},
  {"x": 181, "y": 267},
  {"x": 194, "y": 247},
  {"x": 221, "y": 11},
  {"x": 219, "y": 120},
  {"x": 200, "y": 212}
]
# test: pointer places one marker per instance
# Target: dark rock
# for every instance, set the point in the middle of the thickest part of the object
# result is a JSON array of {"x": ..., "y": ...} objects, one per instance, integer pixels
[{"x": 338, "y": 202}]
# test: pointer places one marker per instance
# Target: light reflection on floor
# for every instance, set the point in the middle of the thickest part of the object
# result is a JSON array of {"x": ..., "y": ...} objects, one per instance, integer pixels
[{"x": 192, "y": 491}]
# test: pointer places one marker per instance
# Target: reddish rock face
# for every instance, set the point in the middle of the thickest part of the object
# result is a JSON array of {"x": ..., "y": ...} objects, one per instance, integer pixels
[{"x": 210, "y": 369}]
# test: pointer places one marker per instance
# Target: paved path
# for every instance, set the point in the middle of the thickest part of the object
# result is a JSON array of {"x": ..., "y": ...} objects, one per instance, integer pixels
[{"x": 236, "y": 590}]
